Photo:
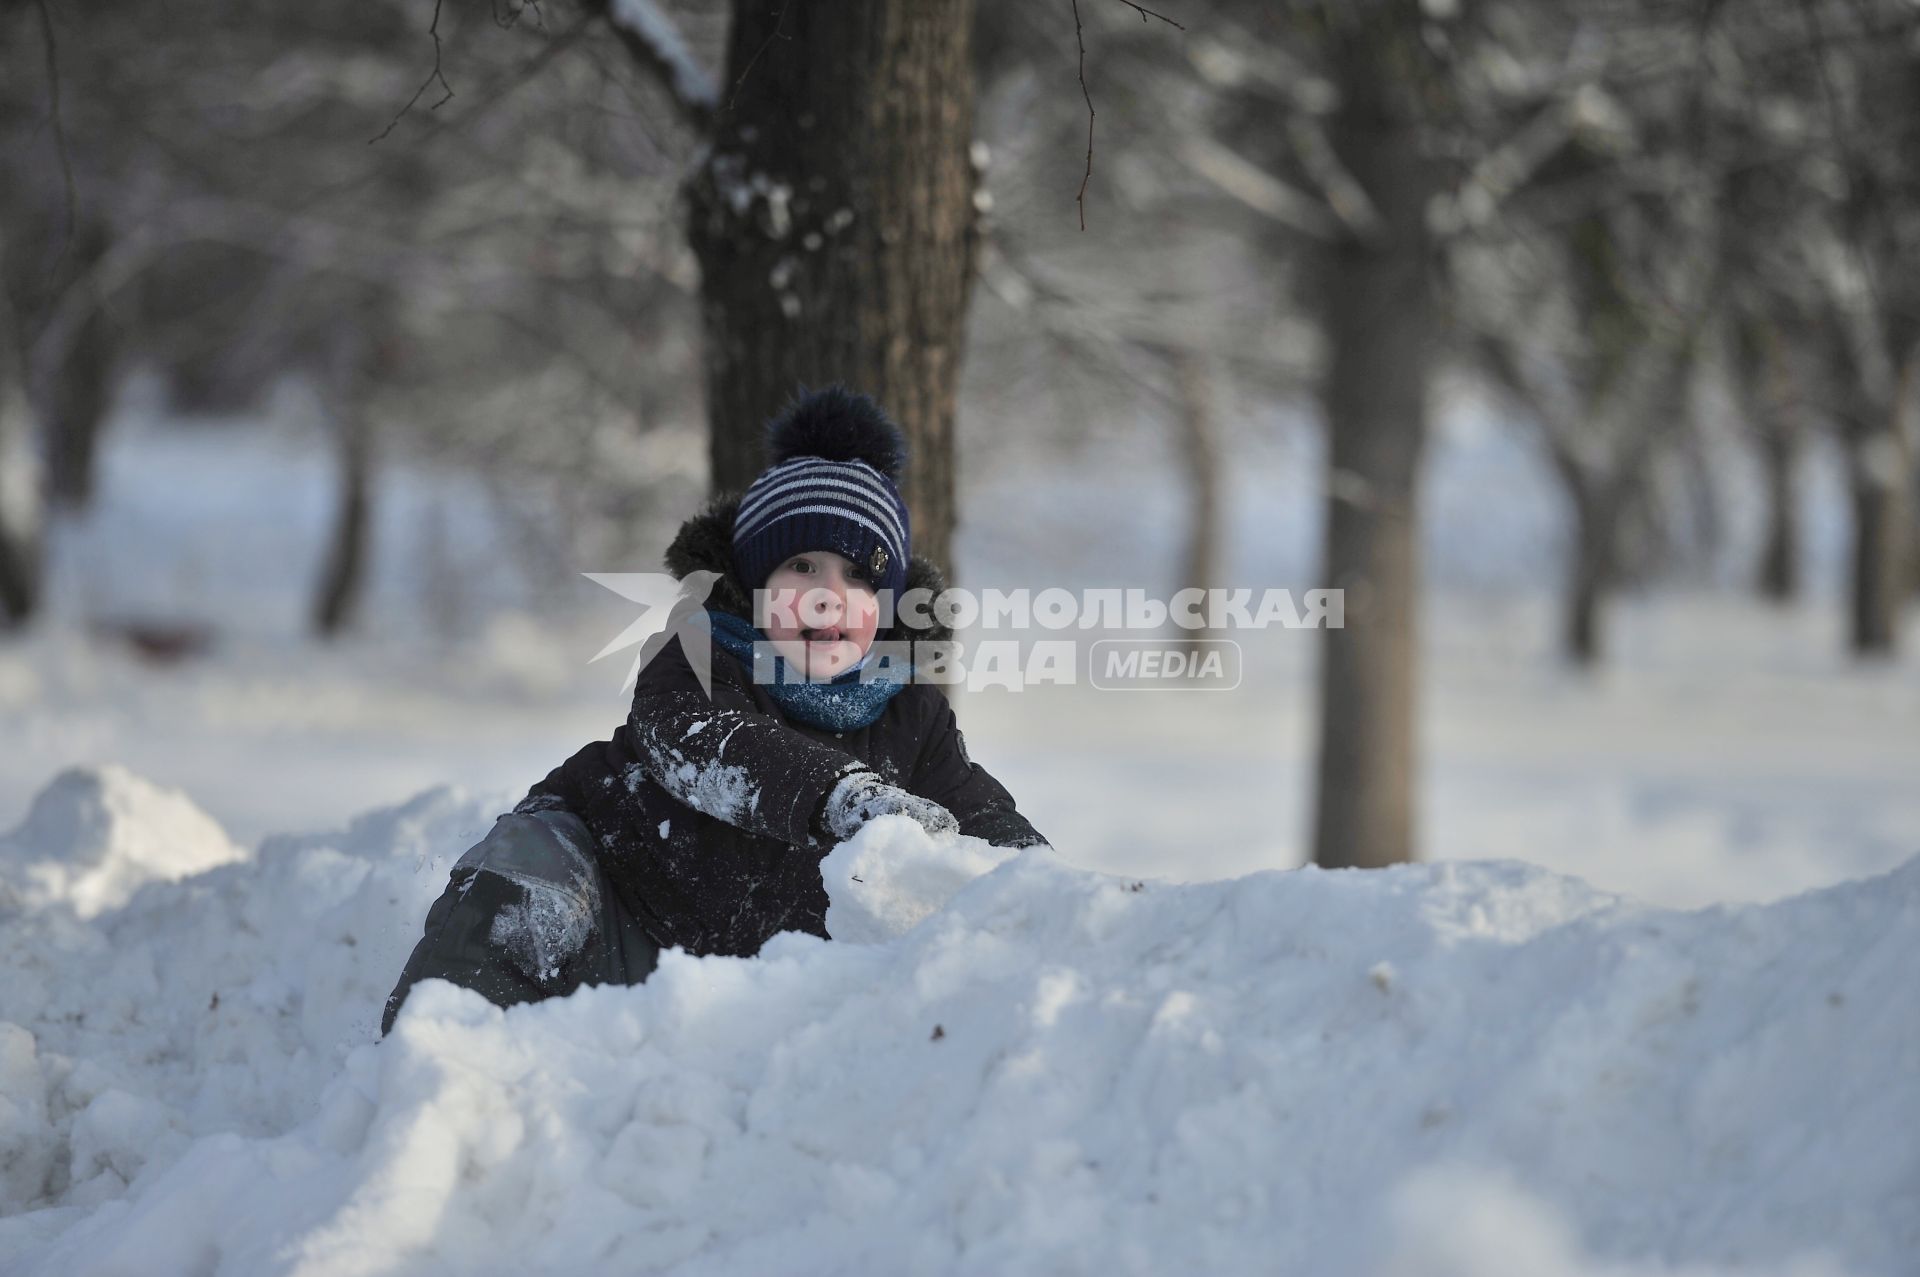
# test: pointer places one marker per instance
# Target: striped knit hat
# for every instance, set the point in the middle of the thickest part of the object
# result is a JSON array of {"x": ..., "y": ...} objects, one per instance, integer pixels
[{"x": 832, "y": 485}]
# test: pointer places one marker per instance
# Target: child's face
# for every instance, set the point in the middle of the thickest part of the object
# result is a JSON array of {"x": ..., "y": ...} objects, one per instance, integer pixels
[{"x": 823, "y": 612}]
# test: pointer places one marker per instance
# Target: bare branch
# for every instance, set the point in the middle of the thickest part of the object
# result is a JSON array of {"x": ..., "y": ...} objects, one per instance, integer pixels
[
  {"x": 59, "y": 128},
  {"x": 1504, "y": 171},
  {"x": 496, "y": 94},
  {"x": 1854, "y": 280},
  {"x": 434, "y": 31},
  {"x": 1080, "y": 200},
  {"x": 1258, "y": 189},
  {"x": 510, "y": 18},
  {"x": 1079, "y": 37},
  {"x": 1148, "y": 13},
  {"x": 1344, "y": 194},
  {"x": 1226, "y": 57},
  {"x": 778, "y": 22}
]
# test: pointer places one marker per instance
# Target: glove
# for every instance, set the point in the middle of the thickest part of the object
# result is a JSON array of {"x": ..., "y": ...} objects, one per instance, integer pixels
[{"x": 861, "y": 795}]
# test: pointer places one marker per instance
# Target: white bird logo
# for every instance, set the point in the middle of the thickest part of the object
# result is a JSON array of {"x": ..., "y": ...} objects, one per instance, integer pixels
[{"x": 668, "y": 605}]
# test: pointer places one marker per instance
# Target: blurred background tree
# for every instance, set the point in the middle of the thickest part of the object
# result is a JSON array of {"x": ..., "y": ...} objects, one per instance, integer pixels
[
  {"x": 496, "y": 286},
  {"x": 581, "y": 249}
]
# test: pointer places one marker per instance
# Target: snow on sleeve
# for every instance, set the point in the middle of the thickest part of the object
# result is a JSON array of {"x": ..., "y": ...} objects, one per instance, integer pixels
[
  {"x": 554, "y": 919},
  {"x": 95, "y": 835},
  {"x": 725, "y": 791}
]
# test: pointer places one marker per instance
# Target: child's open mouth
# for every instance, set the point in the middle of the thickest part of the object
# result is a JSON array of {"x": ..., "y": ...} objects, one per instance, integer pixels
[{"x": 827, "y": 634}]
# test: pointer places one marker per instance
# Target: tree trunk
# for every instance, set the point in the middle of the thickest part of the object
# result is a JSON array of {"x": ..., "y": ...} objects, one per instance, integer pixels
[
  {"x": 80, "y": 390},
  {"x": 1878, "y": 470},
  {"x": 1377, "y": 309},
  {"x": 1907, "y": 414},
  {"x": 1595, "y": 528},
  {"x": 1763, "y": 386},
  {"x": 342, "y": 582},
  {"x": 1200, "y": 463},
  {"x": 20, "y": 504},
  {"x": 834, "y": 224},
  {"x": 1780, "y": 556}
]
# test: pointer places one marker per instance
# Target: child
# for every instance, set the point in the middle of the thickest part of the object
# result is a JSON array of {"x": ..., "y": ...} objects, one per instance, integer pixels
[{"x": 702, "y": 822}]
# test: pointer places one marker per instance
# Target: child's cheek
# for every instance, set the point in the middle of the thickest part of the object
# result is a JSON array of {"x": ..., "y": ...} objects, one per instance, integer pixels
[
  {"x": 865, "y": 622},
  {"x": 783, "y": 614}
]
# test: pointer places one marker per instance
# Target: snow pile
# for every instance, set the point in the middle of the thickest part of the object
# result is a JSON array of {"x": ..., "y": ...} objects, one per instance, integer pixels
[
  {"x": 1451, "y": 1069},
  {"x": 94, "y": 836},
  {"x": 1454, "y": 1222},
  {"x": 224, "y": 1002}
]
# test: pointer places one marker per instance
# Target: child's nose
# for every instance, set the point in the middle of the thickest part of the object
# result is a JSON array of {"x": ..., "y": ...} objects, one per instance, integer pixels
[{"x": 829, "y": 602}]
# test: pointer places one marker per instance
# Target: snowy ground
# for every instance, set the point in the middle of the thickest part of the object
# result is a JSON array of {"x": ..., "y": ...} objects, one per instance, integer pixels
[
  {"x": 1445, "y": 1069},
  {"x": 1483, "y": 1064}
]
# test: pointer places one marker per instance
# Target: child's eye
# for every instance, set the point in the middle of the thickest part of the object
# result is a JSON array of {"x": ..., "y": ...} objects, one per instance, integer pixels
[{"x": 801, "y": 565}]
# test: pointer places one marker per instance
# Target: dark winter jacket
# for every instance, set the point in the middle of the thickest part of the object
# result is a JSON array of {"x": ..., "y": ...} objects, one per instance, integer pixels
[{"x": 695, "y": 825}]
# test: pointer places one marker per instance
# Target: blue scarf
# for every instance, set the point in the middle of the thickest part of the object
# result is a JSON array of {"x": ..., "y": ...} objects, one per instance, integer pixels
[{"x": 839, "y": 705}]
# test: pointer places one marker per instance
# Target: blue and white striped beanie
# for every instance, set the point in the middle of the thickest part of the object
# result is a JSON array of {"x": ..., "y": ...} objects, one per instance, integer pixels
[{"x": 832, "y": 485}]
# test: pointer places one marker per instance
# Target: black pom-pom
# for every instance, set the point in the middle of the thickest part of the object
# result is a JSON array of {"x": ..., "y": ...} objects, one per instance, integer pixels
[{"x": 840, "y": 425}]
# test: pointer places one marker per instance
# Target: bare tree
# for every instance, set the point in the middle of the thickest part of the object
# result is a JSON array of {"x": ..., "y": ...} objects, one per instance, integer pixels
[
  {"x": 1765, "y": 387},
  {"x": 1383, "y": 137},
  {"x": 1592, "y": 327},
  {"x": 537, "y": 244},
  {"x": 1848, "y": 76},
  {"x": 1378, "y": 309}
]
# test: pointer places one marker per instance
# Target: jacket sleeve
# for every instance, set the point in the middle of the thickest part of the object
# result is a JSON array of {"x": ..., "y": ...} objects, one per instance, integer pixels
[
  {"x": 457, "y": 945},
  {"x": 725, "y": 757},
  {"x": 945, "y": 773},
  {"x": 521, "y": 918}
]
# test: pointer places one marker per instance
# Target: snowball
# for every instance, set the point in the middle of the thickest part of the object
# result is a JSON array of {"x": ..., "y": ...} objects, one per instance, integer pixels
[{"x": 893, "y": 873}]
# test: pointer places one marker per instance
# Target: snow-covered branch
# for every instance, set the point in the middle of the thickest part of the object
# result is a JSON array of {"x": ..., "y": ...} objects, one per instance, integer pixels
[
  {"x": 1256, "y": 188},
  {"x": 656, "y": 43}
]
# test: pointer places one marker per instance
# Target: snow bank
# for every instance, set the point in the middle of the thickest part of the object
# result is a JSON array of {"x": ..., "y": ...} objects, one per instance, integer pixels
[
  {"x": 1451, "y": 1069},
  {"x": 221, "y": 1003},
  {"x": 94, "y": 836}
]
